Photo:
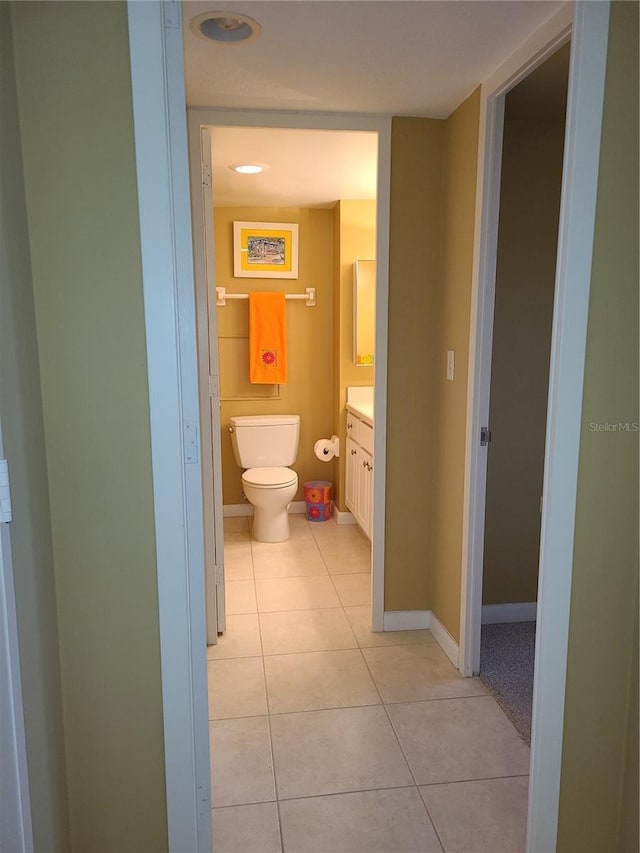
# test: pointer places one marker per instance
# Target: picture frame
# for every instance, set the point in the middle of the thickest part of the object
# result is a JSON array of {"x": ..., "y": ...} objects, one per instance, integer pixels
[{"x": 265, "y": 250}]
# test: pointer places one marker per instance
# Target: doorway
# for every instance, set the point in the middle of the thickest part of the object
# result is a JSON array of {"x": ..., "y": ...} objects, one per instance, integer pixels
[
  {"x": 588, "y": 33},
  {"x": 228, "y": 392},
  {"x": 322, "y": 183},
  {"x": 532, "y": 156}
]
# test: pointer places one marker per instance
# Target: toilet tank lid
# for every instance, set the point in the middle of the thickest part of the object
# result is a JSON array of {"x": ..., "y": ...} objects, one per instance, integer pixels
[{"x": 264, "y": 420}]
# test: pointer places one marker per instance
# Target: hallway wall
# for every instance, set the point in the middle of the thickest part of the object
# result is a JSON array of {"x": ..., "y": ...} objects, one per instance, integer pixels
[
  {"x": 24, "y": 447},
  {"x": 602, "y": 667},
  {"x": 449, "y": 403},
  {"x": 74, "y": 97},
  {"x": 433, "y": 180},
  {"x": 415, "y": 272}
]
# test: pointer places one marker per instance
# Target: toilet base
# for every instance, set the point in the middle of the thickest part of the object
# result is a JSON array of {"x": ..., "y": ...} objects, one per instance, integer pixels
[{"x": 269, "y": 525}]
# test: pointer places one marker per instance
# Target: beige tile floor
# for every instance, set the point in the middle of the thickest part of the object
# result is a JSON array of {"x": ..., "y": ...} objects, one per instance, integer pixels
[{"x": 328, "y": 738}]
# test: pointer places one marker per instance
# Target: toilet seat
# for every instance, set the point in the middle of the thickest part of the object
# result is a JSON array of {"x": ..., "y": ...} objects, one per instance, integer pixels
[{"x": 270, "y": 478}]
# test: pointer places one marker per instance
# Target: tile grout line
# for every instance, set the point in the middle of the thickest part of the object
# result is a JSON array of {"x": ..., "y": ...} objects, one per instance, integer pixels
[
  {"x": 335, "y": 794},
  {"x": 404, "y": 755},
  {"x": 371, "y": 791},
  {"x": 247, "y": 532},
  {"x": 334, "y": 649},
  {"x": 430, "y": 816},
  {"x": 350, "y": 791},
  {"x": 457, "y": 782},
  {"x": 266, "y": 693},
  {"x": 402, "y": 751},
  {"x": 413, "y": 776},
  {"x": 319, "y": 551},
  {"x": 478, "y": 779}
]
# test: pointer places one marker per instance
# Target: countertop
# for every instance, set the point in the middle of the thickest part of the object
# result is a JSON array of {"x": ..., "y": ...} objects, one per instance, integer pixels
[{"x": 362, "y": 410}]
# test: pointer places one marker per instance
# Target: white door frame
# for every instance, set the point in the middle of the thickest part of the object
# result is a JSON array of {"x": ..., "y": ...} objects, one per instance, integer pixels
[
  {"x": 202, "y": 118},
  {"x": 16, "y": 829},
  {"x": 201, "y": 172},
  {"x": 532, "y": 54},
  {"x": 589, "y": 34},
  {"x": 157, "y": 77}
]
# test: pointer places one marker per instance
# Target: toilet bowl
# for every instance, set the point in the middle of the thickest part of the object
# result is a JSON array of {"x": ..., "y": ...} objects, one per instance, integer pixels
[
  {"x": 270, "y": 490},
  {"x": 265, "y": 445}
]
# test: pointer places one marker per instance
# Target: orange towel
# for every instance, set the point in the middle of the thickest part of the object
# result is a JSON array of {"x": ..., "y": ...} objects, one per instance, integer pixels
[{"x": 267, "y": 338}]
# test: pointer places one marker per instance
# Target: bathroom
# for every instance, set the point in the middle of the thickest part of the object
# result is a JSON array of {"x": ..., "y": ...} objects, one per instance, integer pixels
[{"x": 334, "y": 233}]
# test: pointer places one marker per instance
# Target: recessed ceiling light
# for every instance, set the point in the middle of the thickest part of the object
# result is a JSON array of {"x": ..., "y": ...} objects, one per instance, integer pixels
[
  {"x": 247, "y": 168},
  {"x": 225, "y": 27}
]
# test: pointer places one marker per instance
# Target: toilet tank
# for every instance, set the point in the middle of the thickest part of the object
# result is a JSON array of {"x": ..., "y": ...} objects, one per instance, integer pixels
[{"x": 265, "y": 441}]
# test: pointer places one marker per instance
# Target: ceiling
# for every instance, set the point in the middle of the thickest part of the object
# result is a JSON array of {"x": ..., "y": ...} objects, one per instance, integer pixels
[
  {"x": 303, "y": 168},
  {"x": 390, "y": 57}
]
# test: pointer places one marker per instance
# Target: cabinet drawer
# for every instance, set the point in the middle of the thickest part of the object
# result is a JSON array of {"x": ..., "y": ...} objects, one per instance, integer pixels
[{"x": 364, "y": 435}]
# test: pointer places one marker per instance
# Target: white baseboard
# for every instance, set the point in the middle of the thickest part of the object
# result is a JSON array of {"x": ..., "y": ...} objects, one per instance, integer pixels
[
  {"x": 416, "y": 620},
  {"x": 406, "y": 620},
  {"x": 235, "y": 510},
  {"x": 343, "y": 517},
  {"x": 524, "y": 611},
  {"x": 444, "y": 639}
]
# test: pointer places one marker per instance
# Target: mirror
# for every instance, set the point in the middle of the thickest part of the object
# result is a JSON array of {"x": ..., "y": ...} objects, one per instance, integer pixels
[{"x": 364, "y": 312}]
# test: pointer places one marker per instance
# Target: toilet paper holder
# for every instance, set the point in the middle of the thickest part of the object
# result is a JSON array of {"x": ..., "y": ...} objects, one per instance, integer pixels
[{"x": 326, "y": 449}]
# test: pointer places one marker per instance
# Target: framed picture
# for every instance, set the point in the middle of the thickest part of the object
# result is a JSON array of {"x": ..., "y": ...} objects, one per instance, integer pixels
[{"x": 265, "y": 250}]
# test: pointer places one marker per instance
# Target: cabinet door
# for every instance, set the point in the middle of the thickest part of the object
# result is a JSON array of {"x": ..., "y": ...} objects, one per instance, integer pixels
[
  {"x": 368, "y": 510},
  {"x": 363, "y": 490},
  {"x": 350, "y": 484}
]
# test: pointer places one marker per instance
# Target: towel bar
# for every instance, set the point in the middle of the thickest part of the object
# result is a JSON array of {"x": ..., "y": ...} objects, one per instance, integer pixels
[{"x": 309, "y": 296}]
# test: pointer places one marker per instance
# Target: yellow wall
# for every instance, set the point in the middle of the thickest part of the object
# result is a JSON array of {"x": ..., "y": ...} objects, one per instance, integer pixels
[
  {"x": 24, "y": 447},
  {"x": 525, "y": 284},
  {"x": 309, "y": 389},
  {"x": 74, "y": 96},
  {"x": 629, "y": 836},
  {"x": 364, "y": 295},
  {"x": 415, "y": 273},
  {"x": 354, "y": 238},
  {"x": 602, "y": 668},
  {"x": 449, "y": 399},
  {"x": 433, "y": 176}
]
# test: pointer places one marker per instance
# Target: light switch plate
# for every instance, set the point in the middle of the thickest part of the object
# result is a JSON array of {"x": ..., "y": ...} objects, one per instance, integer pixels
[{"x": 451, "y": 364}]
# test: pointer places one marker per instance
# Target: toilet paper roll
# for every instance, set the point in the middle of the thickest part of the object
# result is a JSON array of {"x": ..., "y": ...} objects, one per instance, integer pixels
[{"x": 326, "y": 448}]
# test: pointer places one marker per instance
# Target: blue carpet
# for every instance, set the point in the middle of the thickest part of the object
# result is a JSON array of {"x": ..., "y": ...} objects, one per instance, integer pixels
[{"x": 506, "y": 668}]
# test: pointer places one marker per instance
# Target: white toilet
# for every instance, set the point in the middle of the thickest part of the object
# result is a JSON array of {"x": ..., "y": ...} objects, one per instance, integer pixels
[{"x": 265, "y": 445}]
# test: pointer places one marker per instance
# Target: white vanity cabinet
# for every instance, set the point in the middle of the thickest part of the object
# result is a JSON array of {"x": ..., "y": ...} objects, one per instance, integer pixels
[{"x": 359, "y": 469}]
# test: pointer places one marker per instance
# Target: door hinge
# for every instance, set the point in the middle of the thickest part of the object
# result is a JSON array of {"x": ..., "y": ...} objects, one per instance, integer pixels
[
  {"x": 206, "y": 175},
  {"x": 214, "y": 389},
  {"x": 190, "y": 434},
  {"x": 219, "y": 574},
  {"x": 171, "y": 14},
  {"x": 485, "y": 436},
  {"x": 5, "y": 492}
]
